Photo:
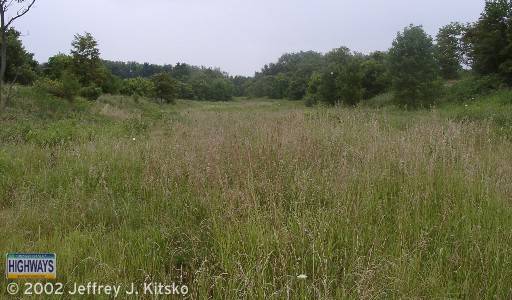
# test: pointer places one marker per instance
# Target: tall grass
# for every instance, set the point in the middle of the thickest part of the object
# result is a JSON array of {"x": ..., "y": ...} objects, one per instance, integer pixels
[{"x": 236, "y": 203}]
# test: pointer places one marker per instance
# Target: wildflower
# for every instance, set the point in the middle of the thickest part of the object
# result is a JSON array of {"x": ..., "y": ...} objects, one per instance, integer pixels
[
  {"x": 302, "y": 276},
  {"x": 134, "y": 139}
]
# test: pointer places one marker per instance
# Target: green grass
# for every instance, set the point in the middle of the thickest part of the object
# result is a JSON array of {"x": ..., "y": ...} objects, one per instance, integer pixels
[
  {"x": 237, "y": 199},
  {"x": 495, "y": 108}
]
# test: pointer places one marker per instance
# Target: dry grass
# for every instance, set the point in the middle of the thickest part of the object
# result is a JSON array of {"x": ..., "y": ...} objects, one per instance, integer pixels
[
  {"x": 237, "y": 203},
  {"x": 116, "y": 113}
]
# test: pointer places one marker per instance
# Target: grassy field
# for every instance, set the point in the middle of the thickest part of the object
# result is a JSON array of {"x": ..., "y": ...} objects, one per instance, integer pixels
[{"x": 236, "y": 200}]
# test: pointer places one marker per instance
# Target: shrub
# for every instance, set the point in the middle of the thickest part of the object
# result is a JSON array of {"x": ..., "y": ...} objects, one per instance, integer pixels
[
  {"x": 50, "y": 86},
  {"x": 26, "y": 75},
  {"x": 67, "y": 87},
  {"x": 472, "y": 87},
  {"x": 91, "y": 92},
  {"x": 70, "y": 85},
  {"x": 310, "y": 100},
  {"x": 137, "y": 87}
]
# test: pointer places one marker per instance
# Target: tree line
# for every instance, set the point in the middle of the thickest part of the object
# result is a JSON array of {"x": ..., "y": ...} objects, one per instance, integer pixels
[
  {"x": 83, "y": 72},
  {"x": 192, "y": 82},
  {"x": 415, "y": 69}
]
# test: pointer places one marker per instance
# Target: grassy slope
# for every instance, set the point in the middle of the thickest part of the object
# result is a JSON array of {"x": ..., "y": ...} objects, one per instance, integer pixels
[{"x": 237, "y": 199}]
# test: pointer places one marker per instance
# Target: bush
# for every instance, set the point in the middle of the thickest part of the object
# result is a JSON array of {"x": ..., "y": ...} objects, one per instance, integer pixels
[
  {"x": 112, "y": 84},
  {"x": 495, "y": 107},
  {"x": 141, "y": 87},
  {"x": 26, "y": 75},
  {"x": 50, "y": 86},
  {"x": 472, "y": 87},
  {"x": 310, "y": 100},
  {"x": 91, "y": 92},
  {"x": 70, "y": 86},
  {"x": 67, "y": 87}
]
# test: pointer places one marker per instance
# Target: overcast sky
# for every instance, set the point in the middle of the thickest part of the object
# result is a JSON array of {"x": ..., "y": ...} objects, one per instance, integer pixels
[{"x": 237, "y": 36}]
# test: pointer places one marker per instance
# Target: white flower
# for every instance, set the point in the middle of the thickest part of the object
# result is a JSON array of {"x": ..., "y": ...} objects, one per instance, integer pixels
[
  {"x": 466, "y": 105},
  {"x": 302, "y": 276},
  {"x": 134, "y": 139}
]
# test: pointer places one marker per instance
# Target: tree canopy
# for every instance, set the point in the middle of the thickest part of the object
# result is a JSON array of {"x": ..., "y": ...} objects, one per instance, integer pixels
[
  {"x": 450, "y": 50},
  {"x": 489, "y": 40},
  {"x": 413, "y": 67},
  {"x": 21, "y": 66}
]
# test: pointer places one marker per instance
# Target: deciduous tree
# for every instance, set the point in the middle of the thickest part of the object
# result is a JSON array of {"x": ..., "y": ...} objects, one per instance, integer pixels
[
  {"x": 450, "y": 50},
  {"x": 21, "y": 8},
  {"x": 165, "y": 87},
  {"x": 86, "y": 59},
  {"x": 413, "y": 67},
  {"x": 489, "y": 40}
]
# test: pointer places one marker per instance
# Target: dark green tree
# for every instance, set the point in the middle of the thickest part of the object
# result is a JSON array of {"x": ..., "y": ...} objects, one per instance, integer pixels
[
  {"x": 138, "y": 87},
  {"x": 86, "y": 60},
  {"x": 182, "y": 72},
  {"x": 165, "y": 87},
  {"x": 279, "y": 87},
  {"x": 341, "y": 80},
  {"x": 221, "y": 90},
  {"x": 298, "y": 86},
  {"x": 262, "y": 86},
  {"x": 89, "y": 68},
  {"x": 329, "y": 86},
  {"x": 413, "y": 67},
  {"x": 57, "y": 64},
  {"x": 349, "y": 82},
  {"x": 288, "y": 77},
  {"x": 239, "y": 84},
  {"x": 21, "y": 66},
  {"x": 70, "y": 85},
  {"x": 327, "y": 89},
  {"x": 450, "y": 50},
  {"x": 313, "y": 89},
  {"x": 375, "y": 77},
  {"x": 489, "y": 40},
  {"x": 185, "y": 90}
]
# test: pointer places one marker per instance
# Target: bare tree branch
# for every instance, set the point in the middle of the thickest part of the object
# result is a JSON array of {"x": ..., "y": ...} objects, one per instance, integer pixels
[
  {"x": 20, "y": 13},
  {"x": 8, "y": 4}
]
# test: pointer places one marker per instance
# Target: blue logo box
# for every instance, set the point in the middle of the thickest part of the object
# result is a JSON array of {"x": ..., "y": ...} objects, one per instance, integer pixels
[{"x": 31, "y": 266}]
